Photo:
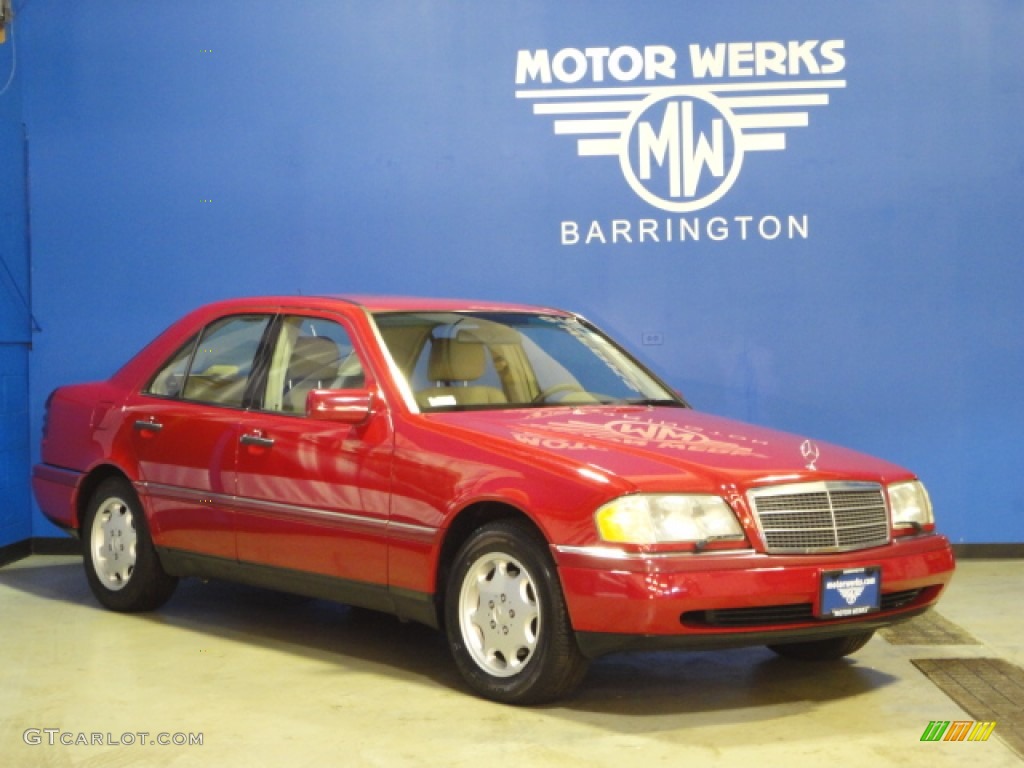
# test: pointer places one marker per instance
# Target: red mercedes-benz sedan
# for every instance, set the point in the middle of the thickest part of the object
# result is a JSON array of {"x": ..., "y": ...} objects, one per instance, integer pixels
[{"x": 506, "y": 472}]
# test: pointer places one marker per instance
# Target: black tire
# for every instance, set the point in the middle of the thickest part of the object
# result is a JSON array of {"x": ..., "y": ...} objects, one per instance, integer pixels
[
  {"x": 829, "y": 649},
  {"x": 121, "y": 564},
  {"x": 529, "y": 657}
]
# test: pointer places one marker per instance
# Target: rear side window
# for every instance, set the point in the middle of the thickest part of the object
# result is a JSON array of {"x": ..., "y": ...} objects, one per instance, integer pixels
[
  {"x": 170, "y": 379},
  {"x": 215, "y": 367}
]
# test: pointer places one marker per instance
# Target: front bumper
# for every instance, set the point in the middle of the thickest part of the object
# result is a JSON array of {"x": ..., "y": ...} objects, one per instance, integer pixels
[{"x": 624, "y": 602}]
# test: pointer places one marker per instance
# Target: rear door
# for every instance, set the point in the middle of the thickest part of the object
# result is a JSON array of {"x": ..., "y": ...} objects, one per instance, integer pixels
[{"x": 185, "y": 427}]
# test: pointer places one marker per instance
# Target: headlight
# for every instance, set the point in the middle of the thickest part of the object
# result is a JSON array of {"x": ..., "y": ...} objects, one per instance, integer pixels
[
  {"x": 659, "y": 519},
  {"x": 911, "y": 507}
]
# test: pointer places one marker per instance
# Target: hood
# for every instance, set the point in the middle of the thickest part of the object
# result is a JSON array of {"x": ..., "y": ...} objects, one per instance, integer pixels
[{"x": 665, "y": 448}]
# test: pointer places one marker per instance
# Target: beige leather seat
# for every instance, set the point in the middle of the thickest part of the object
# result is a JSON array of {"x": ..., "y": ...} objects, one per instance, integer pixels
[
  {"x": 454, "y": 365},
  {"x": 314, "y": 365},
  {"x": 220, "y": 384}
]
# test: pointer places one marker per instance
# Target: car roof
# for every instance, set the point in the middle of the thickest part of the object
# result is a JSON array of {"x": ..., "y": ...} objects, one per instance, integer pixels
[
  {"x": 423, "y": 304},
  {"x": 375, "y": 303}
]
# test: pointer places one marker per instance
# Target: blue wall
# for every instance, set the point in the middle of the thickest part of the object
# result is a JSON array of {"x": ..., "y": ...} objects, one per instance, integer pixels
[
  {"x": 185, "y": 151},
  {"x": 15, "y": 524},
  {"x": 15, "y": 311}
]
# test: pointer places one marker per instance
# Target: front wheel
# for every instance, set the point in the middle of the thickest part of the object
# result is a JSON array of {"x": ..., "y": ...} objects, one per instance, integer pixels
[
  {"x": 121, "y": 564},
  {"x": 506, "y": 619},
  {"x": 829, "y": 649}
]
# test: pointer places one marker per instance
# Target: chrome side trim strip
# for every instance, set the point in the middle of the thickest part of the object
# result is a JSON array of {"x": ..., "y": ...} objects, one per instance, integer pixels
[
  {"x": 58, "y": 475},
  {"x": 413, "y": 528},
  {"x": 283, "y": 510}
]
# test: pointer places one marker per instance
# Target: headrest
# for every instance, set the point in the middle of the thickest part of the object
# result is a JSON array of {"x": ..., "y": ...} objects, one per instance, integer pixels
[
  {"x": 454, "y": 360},
  {"x": 312, "y": 354}
]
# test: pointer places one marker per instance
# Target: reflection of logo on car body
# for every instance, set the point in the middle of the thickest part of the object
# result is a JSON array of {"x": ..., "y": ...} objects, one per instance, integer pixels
[
  {"x": 680, "y": 147},
  {"x": 637, "y": 433}
]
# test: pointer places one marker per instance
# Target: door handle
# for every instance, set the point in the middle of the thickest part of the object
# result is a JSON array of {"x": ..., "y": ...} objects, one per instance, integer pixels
[
  {"x": 148, "y": 425},
  {"x": 257, "y": 439}
]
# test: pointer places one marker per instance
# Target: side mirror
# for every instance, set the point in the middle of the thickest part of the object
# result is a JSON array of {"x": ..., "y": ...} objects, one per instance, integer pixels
[{"x": 346, "y": 406}]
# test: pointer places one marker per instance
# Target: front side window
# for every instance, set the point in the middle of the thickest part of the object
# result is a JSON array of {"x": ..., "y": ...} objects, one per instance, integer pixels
[
  {"x": 310, "y": 353},
  {"x": 454, "y": 360},
  {"x": 216, "y": 366}
]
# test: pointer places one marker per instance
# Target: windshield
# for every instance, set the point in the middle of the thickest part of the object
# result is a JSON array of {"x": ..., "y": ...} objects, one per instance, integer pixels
[{"x": 455, "y": 361}]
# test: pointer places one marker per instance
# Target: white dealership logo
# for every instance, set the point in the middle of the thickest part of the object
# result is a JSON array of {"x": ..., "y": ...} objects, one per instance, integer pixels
[
  {"x": 680, "y": 145},
  {"x": 852, "y": 593}
]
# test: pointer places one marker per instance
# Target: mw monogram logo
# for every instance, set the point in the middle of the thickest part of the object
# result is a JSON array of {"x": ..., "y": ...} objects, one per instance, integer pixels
[{"x": 850, "y": 594}]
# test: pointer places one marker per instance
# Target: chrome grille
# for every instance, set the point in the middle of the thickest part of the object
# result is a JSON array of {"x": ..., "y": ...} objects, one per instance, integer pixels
[{"x": 821, "y": 517}]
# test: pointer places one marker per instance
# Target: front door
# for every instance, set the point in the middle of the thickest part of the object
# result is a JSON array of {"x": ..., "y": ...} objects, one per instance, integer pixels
[{"x": 313, "y": 496}]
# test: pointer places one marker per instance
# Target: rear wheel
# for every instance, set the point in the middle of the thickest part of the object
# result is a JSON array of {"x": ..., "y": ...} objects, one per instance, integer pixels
[
  {"x": 828, "y": 649},
  {"x": 121, "y": 564},
  {"x": 507, "y": 624}
]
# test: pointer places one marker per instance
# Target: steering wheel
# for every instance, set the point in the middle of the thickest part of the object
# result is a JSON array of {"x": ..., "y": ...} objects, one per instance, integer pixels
[{"x": 544, "y": 394}]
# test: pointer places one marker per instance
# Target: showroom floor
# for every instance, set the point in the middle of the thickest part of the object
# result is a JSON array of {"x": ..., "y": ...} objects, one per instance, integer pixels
[{"x": 266, "y": 680}]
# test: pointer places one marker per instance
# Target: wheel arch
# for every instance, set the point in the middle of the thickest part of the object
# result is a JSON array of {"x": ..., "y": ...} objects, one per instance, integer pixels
[
  {"x": 470, "y": 519},
  {"x": 87, "y": 488}
]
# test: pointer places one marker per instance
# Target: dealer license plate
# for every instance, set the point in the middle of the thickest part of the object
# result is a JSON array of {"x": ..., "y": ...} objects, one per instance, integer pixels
[{"x": 851, "y": 592}]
